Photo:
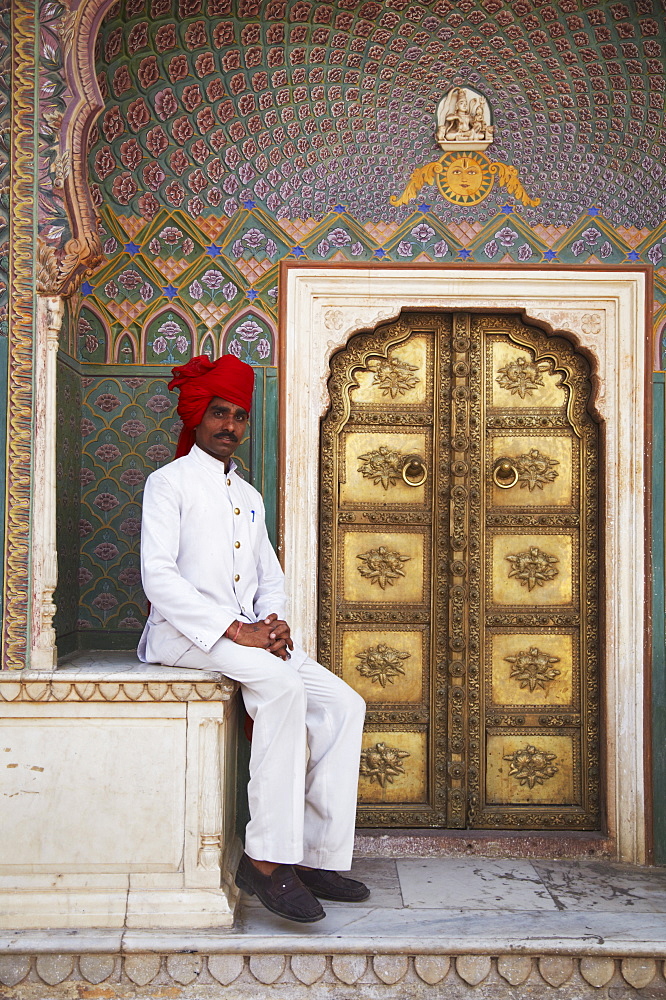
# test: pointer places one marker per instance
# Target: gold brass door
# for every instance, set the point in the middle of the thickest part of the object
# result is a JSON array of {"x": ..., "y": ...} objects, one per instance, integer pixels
[{"x": 459, "y": 571}]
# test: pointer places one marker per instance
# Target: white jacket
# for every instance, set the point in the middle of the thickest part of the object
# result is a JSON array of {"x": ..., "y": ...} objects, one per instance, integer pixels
[{"x": 206, "y": 558}]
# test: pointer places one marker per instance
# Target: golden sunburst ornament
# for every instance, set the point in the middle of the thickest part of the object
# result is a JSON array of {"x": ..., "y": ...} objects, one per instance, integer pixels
[{"x": 465, "y": 177}]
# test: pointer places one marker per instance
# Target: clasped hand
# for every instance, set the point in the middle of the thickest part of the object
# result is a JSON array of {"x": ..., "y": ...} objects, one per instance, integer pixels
[{"x": 271, "y": 633}]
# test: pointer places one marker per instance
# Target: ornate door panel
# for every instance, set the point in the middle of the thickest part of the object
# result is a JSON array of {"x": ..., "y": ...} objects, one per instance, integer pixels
[{"x": 458, "y": 581}]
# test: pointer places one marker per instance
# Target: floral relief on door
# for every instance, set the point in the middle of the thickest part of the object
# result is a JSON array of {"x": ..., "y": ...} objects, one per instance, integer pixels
[{"x": 459, "y": 552}]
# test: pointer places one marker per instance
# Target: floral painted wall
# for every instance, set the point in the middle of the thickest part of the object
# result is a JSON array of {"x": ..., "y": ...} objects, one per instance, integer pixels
[{"x": 239, "y": 134}]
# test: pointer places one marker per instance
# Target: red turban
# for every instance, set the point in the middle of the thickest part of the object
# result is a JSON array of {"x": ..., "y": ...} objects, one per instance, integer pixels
[{"x": 201, "y": 380}]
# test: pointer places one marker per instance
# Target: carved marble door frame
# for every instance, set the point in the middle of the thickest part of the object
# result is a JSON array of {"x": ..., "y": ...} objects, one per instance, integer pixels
[{"x": 604, "y": 313}]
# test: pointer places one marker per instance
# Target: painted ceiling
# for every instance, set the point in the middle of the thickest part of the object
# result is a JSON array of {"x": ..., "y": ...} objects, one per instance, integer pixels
[{"x": 299, "y": 107}]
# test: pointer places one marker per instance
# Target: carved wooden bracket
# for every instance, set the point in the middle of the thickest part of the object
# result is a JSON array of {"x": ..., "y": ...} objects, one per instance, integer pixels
[{"x": 83, "y": 251}]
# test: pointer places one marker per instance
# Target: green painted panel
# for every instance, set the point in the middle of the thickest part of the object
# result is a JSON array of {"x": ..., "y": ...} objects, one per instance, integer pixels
[{"x": 658, "y": 621}]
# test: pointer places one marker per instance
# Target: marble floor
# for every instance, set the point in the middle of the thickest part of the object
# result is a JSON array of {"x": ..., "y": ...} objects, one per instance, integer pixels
[{"x": 479, "y": 900}]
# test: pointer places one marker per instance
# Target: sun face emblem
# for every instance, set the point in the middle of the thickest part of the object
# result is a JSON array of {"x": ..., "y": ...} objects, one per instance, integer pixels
[{"x": 465, "y": 178}]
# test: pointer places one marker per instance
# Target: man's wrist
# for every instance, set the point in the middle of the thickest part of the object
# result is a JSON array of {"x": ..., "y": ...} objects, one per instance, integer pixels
[{"x": 233, "y": 630}]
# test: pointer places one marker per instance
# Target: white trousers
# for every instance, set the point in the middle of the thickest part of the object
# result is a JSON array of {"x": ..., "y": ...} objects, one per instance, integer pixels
[{"x": 302, "y": 808}]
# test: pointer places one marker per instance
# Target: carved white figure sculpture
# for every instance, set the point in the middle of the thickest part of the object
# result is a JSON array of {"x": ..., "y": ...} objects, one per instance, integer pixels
[{"x": 464, "y": 120}]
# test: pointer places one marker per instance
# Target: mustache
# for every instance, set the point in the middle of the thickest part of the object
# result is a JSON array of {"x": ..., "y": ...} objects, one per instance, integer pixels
[{"x": 227, "y": 436}]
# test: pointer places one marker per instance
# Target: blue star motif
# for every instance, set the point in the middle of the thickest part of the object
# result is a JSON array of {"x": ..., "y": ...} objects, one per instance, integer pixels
[
  {"x": 632, "y": 255},
  {"x": 380, "y": 253},
  {"x": 297, "y": 251},
  {"x": 424, "y": 208},
  {"x": 550, "y": 255},
  {"x": 465, "y": 254},
  {"x": 132, "y": 248},
  {"x": 249, "y": 204},
  {"x": 340, "y": 208},
  {"x": 251, "y": 294},
  {"x": 593, "y": 211},
  {"x": 87, "y": 288},
  {"x": 213, "y": 251},
  {"x": 170, "y": 292},
  {"x": 507, "y": 209}
]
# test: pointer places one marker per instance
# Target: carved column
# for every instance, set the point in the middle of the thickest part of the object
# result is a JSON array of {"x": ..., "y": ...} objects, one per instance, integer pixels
[
  {"x": 210, "y": 801},
  {"x": 43, "y": 653}
]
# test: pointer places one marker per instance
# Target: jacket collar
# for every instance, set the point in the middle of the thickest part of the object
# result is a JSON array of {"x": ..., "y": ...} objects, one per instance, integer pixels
[{"x": 210, "y": 463}]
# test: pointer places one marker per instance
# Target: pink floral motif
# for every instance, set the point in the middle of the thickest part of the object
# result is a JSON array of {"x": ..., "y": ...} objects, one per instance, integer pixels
[
  {"x": 188, "y": 8},
  {"x": 131, "y": 526},
  {"x": 165, "y": 38},
  {"x": 133, "y": 383},
  {"x": 156, "y": 140},
  {"x": 146, "y": 291},
  {"x": 112, "y": 124},
  {"x": 133, "y": 428},
  {"x": 107, "y": 453},
  {"x": 85, "y": 528},
  {"x": 192, "y": 96},
  {"x": 195, "y": 35},
  {"x": 215, "y": 169},
  {"x": 138, "y": 114},
  {"x": 171, "y": 235},
  {"x": 158, "y": 453},
  {"x": 130, "y": 576},
  {"x": 107, "y": 402},
  {"x": 197, "y": 181},
  {"x": 212, "y": 279},
  {"x": 83, "y": 623},
  {"x": 159, "y": 404},
  {"x": 124, "y": 188},
  {"x": 204, "y": 64},
  {"x": 423, "y": 232},
  {"x": 113, "y": 44},
  {"x": 178, "y": 68},
  {"x": 214, "y": 196},
  {"x": 131, "y": 154},
  {"x": 155, "y": 246},
  {"x": 248, "y": 331},
  {"x": 111, "y": 289},
  {"x": 130, "y": 622},
  {"x": 215, "y": 90},
  {"x": 84, "y": 575},
  {"x": 199, "y": 151},
  {"x": 121, "y": 81},
  {"x": 237, "y": 83},
  {"x": 263, "y": 349},
  {"x": 106, "y": 501},
  {"x": 158, "y": 8},
  {"x": 195, "y": 207},
  {"x": 223, "y": 34},
  {"x": 91, "y": 343},
  {"x": 130, "y": 279},
  {"x": 105, "y": 162},
  {"x": 105, "y": 601},
  {"x": 148, "y": 72},
  {"x": 235, "y": 348},
  {"x": 132, "y": 477},
  {"x": 181, "y": 129},
  {"x": 178, "y": 161},
  {"x": 148, "y": 205},
  {"x": 153, "y": 175},
  {"x": 86, "y": 476},
  {"x": 138, "y": 37},
  {"x": 174, "y": 192},
  {"x": 176, "y": 427},
  {"x": 159, "y": 345},
  {"x": 217, "y": 139},
  {"x": 134, "y": 7},
  {"x": 205, "y": 120},
  {"x": 165, "y": 103},
  {"x": 106, "y": 551}
]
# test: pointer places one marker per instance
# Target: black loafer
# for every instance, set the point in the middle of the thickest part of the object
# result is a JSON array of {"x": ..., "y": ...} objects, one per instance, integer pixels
[
  {"x": 330, "y": 885},
  {"x": 282, "y": 892}
]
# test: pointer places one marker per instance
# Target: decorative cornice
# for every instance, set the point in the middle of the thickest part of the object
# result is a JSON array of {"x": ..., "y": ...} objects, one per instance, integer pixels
[
  {"x": 323, "y": 970},
  {"x": 109, "y": 689}
]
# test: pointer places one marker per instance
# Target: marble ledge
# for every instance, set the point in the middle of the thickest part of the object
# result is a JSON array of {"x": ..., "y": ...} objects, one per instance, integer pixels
[
  {"x": 114, "y": 676},
  {"x": 470, "y": 933}
]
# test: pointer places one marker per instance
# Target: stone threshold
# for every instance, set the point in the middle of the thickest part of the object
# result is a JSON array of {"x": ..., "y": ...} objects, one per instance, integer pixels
[
  {"x": 525, "y": 844},
  {"x": 310, "y": 965}
]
